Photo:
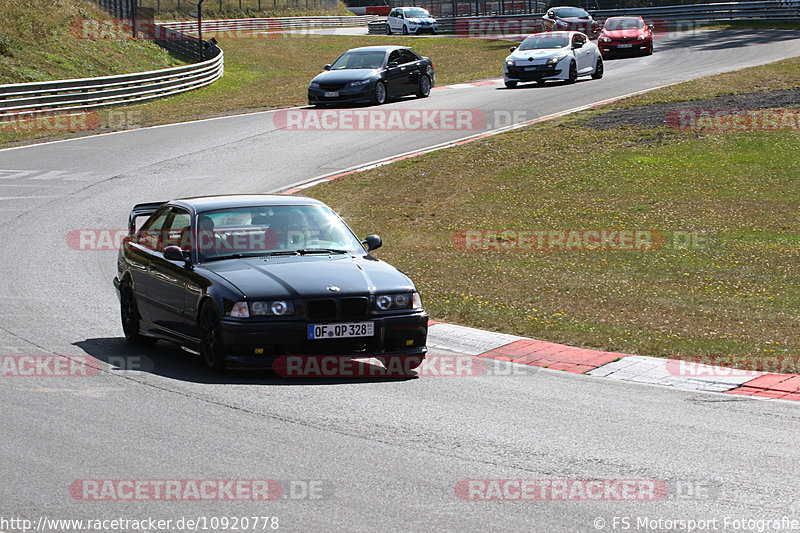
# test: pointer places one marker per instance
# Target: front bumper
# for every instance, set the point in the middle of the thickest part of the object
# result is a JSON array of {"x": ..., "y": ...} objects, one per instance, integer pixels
[
  {"x": 258, "y": 344},
  {"x": 423, "y": 29},
  {"x": 541, "y": 72},
  {"x": 624, "y": 47},
  {"x": 346, "y": 95}
]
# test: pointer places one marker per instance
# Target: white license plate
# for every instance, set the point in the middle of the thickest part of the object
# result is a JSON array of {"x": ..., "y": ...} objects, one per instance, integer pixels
[
  {"x": 331, "y": 94},
  {"x": 341, "y": 331},
  {"x": 531, "y": 68},
  {"x": 625, "y": 46}
]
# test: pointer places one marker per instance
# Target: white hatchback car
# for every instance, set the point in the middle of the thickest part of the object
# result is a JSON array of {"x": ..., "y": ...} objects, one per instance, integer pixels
[
  {"x": 558, "y": 55},
  {"x": 407, "y": 20}
]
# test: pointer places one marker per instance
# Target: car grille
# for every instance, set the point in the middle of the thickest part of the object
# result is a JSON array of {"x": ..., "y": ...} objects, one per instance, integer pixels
[
  {"x": 334, "y": 308},
  {"x": 331, "y": 86}
]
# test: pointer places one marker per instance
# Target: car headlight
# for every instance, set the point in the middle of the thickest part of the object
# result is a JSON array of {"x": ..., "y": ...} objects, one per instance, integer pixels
[
  {"x": 358, "y": 83},
  {"x": 604, "y": 39},
  {"x": 272, "y": 308},
  {"x": 239, "y": 310},
  {"x": 388, "y": 302},
  {"x": 313, "y": 85},
  {"x": 509, "y": 62},
  {"x": 554, "y": 60},
  {"x": 642, "y": 37}
]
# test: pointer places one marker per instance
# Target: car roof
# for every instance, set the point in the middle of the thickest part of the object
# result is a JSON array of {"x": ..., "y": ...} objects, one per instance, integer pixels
[
  {"x": 201, "y": 204},
  {"x": 383, "y": 48},
  {"x": 624, "y": 17},
  {"x": 569, "y": 34}
]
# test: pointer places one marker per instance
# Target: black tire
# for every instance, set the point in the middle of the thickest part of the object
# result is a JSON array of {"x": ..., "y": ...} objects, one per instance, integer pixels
[
  {"x": 424, "y": 89},
  {"x": 598, "y": 69},
  {"x": 388, "y": 30},
  {"x": 129, "y": 314},
  {"x": 573, "y": 72},
  {"x": 511, "y": 84},
  {"x": 211, "y": 343},
  {"x": 379, "y": 95},
  {"x": 650, "y": 50},
  {"x": 405, "y": 29}
]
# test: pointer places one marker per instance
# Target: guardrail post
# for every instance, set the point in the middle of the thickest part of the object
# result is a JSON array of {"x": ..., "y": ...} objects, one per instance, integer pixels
[{"x": 200, "y": 29}]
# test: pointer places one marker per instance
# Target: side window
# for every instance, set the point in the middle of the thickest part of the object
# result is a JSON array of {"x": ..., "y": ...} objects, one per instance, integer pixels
[
  {"x": 177, "y": 232},
  {"x": 407, "y": 56},
  {"x": 394, "y": 56},
  {"x": 150, "y": 233}
]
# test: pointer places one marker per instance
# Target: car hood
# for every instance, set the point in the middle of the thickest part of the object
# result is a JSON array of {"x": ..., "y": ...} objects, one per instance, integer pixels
[
  {"x": 345, "y": 75},
  {"x": 574, "y": 20},
  {"x": 541, "y": 53},
  {"x": 622, "y": 34},
  {"x": 309, "y": 276},
  {"x": 417, "y": 20}
]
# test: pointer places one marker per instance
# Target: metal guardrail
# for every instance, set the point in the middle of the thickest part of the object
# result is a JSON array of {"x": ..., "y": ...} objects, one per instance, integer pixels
[
  {"x": 26, "y": 99},
  {"x": 272, "y": 24},
  {"x": 697, "y": 13}
]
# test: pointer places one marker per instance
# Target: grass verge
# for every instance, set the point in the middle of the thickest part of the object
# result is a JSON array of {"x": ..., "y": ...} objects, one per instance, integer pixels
[
  {"x": 726, "y": 280},
  {"x": 37, "y": 44}
]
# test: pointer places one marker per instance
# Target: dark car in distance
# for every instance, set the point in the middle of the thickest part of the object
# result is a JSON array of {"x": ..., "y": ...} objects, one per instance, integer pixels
[
  {"x": 568, "y": 18},
  {"x": 244, "y": 279},
  {"x": 372, "y": 75}
]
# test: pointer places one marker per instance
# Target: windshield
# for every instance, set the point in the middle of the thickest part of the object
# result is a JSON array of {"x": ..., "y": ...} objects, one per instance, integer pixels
[
  {"x": 272, "y": 230},
  {"x": 566, "y": 12},
  {"x": 372, "y": 59},
  {"x": 416, "y": 12},
  {"x": 614, "y": 24},
  {"x": 537, "y": 43}
]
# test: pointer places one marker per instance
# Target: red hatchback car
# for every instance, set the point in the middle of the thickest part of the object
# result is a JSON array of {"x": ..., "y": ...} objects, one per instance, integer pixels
[{"x": 625, "y": 35}]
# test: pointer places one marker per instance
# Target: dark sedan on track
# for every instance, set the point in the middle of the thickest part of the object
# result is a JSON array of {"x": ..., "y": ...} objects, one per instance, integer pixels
[
  {"x": 568, "y": 18},
  {"x": 372, "y": 75},
  {"x": 245, "y": 279}
]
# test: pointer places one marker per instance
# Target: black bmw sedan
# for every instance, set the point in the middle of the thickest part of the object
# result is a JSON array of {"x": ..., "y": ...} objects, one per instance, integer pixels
[
  {"x": 244, "y": 279},
  {"x": 372, "y": 75}
]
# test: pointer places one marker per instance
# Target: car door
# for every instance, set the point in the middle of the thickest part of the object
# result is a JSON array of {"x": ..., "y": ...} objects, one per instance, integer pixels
[
  {"x": 583, "y": 54},
  {"x": 138, "y": 256},
  {"x": 396, "y": 76},
  {"x": 549, "y": 20},
  {"x": 397, "y": 22},
  {"x": 169, "y": 279},
  {"x": 412, "y": 64}
]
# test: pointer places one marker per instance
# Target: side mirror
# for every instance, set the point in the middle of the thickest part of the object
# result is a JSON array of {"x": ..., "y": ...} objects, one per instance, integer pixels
[
  {"x": 174, "y": 253},
  {"x": 651, "y": 26},
  {"x": 512, "y": 48},
  {"x": 577, "y": 45},
  {"x": 327, "y": 67},
  {"x": 392, "y": 64},
  {"x": 372, "y": 242}
]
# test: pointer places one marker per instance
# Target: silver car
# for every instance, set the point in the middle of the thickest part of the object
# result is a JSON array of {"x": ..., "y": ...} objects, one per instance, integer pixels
[{"x": 408, "y": 20}]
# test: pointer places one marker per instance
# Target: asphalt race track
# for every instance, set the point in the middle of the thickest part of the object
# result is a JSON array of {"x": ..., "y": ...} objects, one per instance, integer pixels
[{"x": 359, "y": 455}]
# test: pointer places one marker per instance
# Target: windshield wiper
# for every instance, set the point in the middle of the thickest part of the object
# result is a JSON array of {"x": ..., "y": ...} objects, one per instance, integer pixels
[
  {"x": 307, "y": 251},
  {"x": 250, "y": 254}
]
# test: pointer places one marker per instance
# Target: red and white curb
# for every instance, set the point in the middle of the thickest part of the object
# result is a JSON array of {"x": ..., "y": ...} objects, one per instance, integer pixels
[{"x": 626, "y": 367}]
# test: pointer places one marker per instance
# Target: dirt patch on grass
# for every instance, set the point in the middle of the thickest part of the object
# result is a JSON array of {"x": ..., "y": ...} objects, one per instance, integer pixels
[{"x": 656, "y": 115}]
